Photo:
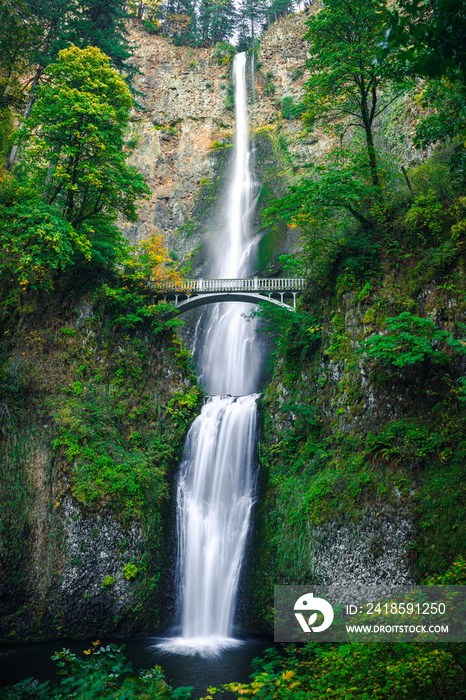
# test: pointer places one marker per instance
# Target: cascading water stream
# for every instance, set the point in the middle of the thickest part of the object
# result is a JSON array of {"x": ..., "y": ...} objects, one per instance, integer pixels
[{"x": 216, "y": 483}]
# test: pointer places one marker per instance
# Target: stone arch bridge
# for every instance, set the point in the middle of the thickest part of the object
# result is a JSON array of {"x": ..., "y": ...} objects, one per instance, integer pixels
[{"x": 192, "y": 293}]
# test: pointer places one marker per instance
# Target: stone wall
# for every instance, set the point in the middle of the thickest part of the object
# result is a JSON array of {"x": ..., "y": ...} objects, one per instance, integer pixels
[{"x": 182, "y": 113}]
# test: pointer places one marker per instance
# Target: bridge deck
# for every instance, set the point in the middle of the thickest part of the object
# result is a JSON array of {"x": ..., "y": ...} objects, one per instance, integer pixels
[
  {"x": 249, "y": 284},
  {"x": 192, "y": 293}
]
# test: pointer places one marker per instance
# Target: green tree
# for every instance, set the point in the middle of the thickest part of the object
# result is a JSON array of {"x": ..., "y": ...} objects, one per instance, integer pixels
[
  {"x": 346, "y": 81},
  {"x": 59, "y": 23},
  {"x": 36, "y": 243},
  {"x": 102, "y": 23},
  {"x": 252, "y": 18},
  {"x": 180, "y": 21},
  {"x": 216, "y": 20},
  {"x": 147, "y": 10},
  {"x": 75, "y": 150},
  {"x": 428, "y": 37},
  {"x": 279, "y": 8},
  {"x": 409, "y": 340}
]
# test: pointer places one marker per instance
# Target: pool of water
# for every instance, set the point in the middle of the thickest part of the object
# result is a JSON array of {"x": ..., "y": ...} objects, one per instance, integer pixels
[{"x": 20, "y": 661}]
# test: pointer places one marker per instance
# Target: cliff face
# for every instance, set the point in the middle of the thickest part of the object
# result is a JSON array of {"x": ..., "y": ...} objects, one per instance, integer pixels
[
  {"x": 93, "y": 429},
  {"x": 281, "y": 76},
  {"x": 362, "y": 464},
  {"x": 184, "y": 130},
  {"x": 182, "y": 113}
]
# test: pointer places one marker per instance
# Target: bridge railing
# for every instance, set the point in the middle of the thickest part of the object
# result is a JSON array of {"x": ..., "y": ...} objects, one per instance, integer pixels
[{"x": 250, "y": 284}]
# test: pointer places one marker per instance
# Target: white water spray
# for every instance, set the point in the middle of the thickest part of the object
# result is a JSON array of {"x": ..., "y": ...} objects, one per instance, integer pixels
[{"x": 216, "y": 483}]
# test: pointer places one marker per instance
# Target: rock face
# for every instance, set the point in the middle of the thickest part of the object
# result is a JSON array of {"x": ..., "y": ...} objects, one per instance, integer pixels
[
  {"x": 185, "y": 121},
  {"x": 183, "y": 113},
  {"x": 90, "y": 556},
  {"x": 282, "y": 75}
]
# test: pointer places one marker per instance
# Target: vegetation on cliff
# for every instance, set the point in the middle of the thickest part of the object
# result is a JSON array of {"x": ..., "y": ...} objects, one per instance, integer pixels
[
  {"x": 365, "y": 416},
  {"x": 96, "y": 391},
  {"x": 367, "y": 402}
]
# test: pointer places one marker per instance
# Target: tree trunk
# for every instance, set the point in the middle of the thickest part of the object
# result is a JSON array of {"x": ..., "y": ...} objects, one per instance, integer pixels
[
  {"x": 367, "y": 123},
  {"x": 27, "y": 110}
]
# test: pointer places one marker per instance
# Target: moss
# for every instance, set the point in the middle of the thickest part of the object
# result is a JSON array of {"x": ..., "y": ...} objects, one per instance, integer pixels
[
  {"x": 100, "y": 417},
  {"x": 370, "y": 316},
  {"x": 357, "y": 442}
]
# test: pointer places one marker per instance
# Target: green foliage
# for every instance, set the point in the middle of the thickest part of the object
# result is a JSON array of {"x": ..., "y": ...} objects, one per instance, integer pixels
[
  {"x": 357, "y": 259},
  {"x": 290, "y": 110},
  {"x": 342, "y": 184},
  {"x": 20, "y": 38},
  {"x": 439, "y": 503},
  {"x": 346, "y": 80},
  {"x": 424, "y": 220},
  {"x": 444, "y": 101},
  {"x": 224, "y": 53},
  {"x": 230, "y": 98},
  {"x": 268, "y": 87},
  {"x": 103, "y": 672},
  {"x": 345, "y": 672},
  {"x": 36, "y": 242},
  {"x": 298, "y": 333},
  {"x": 454, "y": 576},
  {"x": 109, "y": 436},
  {"x": 432, "y": 177},
  {"x": 108, "y": 582},
  {"x": 428, "y": 38},
  {"x": 252, "y": 17},
  {"x": 215, "y": 21},
  {"x": 404, "y": 442},
  {"x": 62, "y": 224},
  {"x": 76, "y": 156},
  {"x": 130, "y": 571},
  {"x": 409, "y": 340}
]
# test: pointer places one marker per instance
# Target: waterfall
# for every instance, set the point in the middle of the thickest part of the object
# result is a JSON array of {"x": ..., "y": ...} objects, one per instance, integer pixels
[{"x": 216, "y": 483}]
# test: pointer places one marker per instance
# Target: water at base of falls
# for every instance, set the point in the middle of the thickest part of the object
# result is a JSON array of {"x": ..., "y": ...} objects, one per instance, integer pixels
[{"x": 216, "y": 483}]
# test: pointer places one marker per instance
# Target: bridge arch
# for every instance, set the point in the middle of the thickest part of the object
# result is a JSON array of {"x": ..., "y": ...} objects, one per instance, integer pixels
[{"x": 193, "y": 302}]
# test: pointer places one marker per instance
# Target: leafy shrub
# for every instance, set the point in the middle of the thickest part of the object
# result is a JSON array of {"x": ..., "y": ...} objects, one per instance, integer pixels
[
  {"x": 432, "y": 176},
  {"x": 409, "y": 340},
  {"x": 152, "y": 26},
  {"x": 36, "y": 242},
  {"x": 230, "y": 98},
  {"x": 299, "y": 334},
  {"x": 290, "y": 110},
  {"x": 130, "y": 571},
  {"x": 357, "y": 259},
  {"x": 224, "y": 53},
  {"x": 454, "y": 576},
  {"x": 269, "y": 87},
  {"x": 404, "y": 442},
  {"x": 350, "y": 671},
  {"x": 104, "y": 672},
  {"x": 439, "y": 508},
  {"x": 108, "y": 582},
  {"x": 424, "y": 220},
  {"x": 297, "y": 73}
]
